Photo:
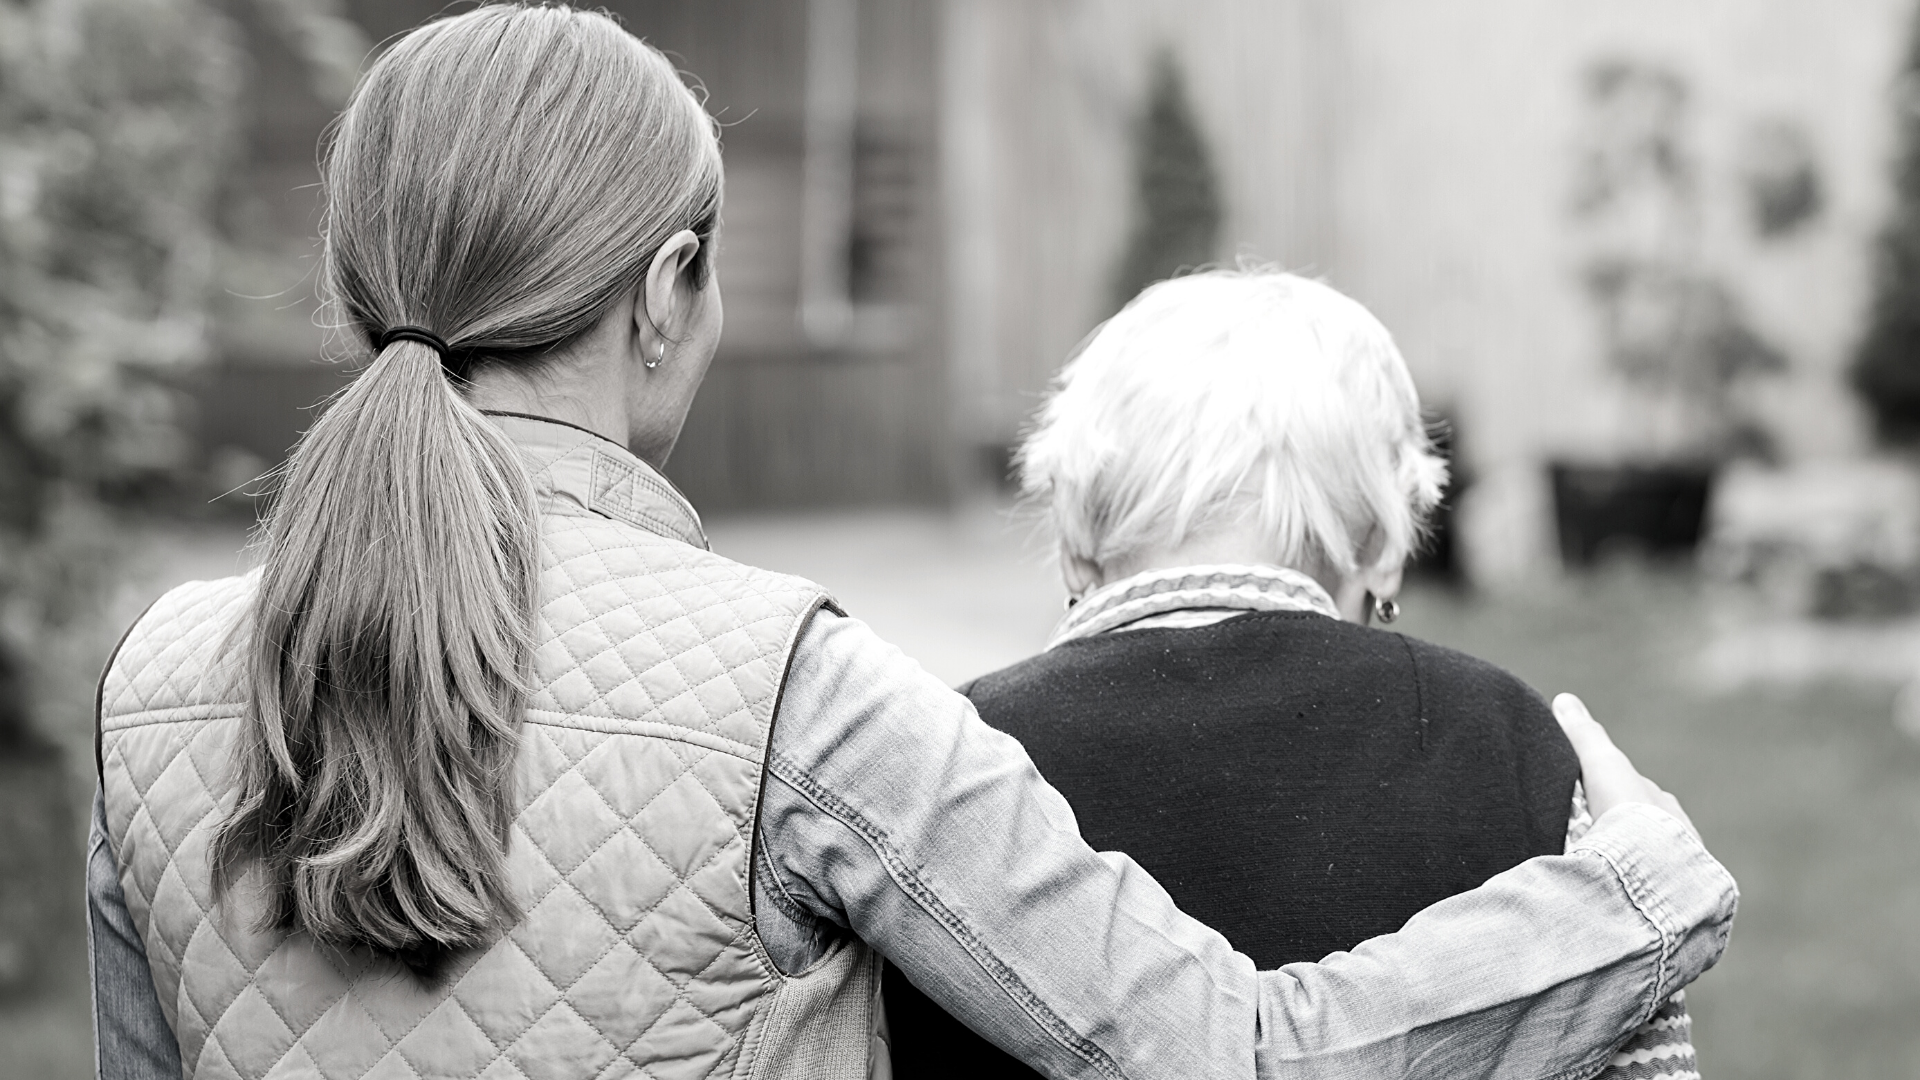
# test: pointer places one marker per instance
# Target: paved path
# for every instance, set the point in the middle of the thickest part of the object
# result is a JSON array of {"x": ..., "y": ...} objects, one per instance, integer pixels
[{"x": 962, "y": 593}]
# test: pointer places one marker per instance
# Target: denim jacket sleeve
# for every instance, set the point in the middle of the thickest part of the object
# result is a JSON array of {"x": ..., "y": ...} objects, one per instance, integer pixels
[
  {"x": 892, "y": 812},
  {"x": 131, "y": 1037}
]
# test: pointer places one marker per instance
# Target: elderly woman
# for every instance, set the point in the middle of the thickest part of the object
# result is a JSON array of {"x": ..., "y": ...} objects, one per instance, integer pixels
[{"x": 1236, "y": 471}]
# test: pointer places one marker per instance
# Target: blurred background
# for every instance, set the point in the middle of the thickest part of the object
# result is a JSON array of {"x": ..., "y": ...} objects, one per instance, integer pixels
[{"x": 1655, "y": 266}]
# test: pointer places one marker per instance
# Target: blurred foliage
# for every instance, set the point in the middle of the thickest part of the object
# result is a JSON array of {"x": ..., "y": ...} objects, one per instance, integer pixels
[
  {"x": 1177, "y": 192},
  {"x": 1672, "y": 326},
  {"x": 116, "y": 119},
  {"x": 1665, "y": 323},
  {"x": 118, "y": 130},
  {"x": 321, "y": 35},
  {"x": 1887, "y": 368}
]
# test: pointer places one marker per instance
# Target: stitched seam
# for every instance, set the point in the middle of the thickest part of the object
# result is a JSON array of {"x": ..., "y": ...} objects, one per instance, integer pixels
[
  {"x": 100, "y": 692},
  {"x": 204, "y": 922},
  {"x": 672, "y": 661},
  {"x": 1419, "y": 688},
  {"x": 756, "y": 854},
  {"x": 118, "y": 759},
  {"x": 670, "y": 733},
  {"x": 743, "y": 625},
  {"x": 897, "y": 868},
  {"x": 393, "y": 1044},
  {"x": 780, "y": 896},
  {"x": 1667, "y": 941},
  {"x": 573, "y": 767},
  {"x": 172, "y": 714},
  {"x": 622, "y": 472}
]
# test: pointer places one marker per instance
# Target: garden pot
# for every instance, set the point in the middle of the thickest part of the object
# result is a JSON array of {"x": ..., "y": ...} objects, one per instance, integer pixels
[{"x": 1655, "y": 509}]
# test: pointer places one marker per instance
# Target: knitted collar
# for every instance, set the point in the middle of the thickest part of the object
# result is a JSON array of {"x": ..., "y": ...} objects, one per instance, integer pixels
[{"x": 1228, "y": 589}]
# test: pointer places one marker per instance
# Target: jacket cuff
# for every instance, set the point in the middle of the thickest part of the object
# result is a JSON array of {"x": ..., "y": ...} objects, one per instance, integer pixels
[{"x": 1678, "y": 887}]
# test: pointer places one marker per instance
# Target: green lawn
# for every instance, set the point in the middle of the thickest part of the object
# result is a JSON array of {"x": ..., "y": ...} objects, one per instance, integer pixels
[{"x": 1809, "y": 796}]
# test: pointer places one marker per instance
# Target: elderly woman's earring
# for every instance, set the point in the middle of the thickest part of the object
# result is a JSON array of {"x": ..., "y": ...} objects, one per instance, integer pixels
[
  {"x": 657, "y": 357},
  {"x": 1386, "y": 610},
  {"x": 1071, "y": 600}
]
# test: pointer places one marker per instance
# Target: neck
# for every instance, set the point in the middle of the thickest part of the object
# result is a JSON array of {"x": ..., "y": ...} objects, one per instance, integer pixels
[
  {"x": 1240, "y": 544},
  {"x": 584, "y": 394}
]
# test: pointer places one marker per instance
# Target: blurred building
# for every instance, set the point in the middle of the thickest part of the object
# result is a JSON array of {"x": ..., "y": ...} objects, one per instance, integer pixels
[
  {"x": 1631, "y": 232},
  {"x": 831, "y": 386}
]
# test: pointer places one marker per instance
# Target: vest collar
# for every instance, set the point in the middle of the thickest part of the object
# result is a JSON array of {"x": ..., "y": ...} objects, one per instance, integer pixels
[
  {"x": 1226, "y": 589},
  {"x": 571, "y": 465}
]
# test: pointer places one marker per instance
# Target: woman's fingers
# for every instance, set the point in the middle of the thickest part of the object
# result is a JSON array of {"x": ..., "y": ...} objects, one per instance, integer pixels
[{"x": 1608, "y": 776}]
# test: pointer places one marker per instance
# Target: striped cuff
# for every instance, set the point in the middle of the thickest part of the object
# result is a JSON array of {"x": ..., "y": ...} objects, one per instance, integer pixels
[{"x": 1661, "y": 1049}]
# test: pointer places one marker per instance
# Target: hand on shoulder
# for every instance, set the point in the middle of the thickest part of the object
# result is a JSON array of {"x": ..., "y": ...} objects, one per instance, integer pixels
[{"x": 1609, "y": 777}]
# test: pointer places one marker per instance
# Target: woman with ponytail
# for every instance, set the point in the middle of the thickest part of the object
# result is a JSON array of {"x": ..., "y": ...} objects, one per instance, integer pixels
[{"x": 493, "y": 769}]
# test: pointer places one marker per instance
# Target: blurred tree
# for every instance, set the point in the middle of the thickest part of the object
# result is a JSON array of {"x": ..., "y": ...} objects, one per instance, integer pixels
[
  {"x": 115, "y": 121},
  {"x": 1176, "y": 191},
  {"x": 1886, "y": 370},
  {"x": 118, "y": 125},
  {"x": 1674, "y": 330}
]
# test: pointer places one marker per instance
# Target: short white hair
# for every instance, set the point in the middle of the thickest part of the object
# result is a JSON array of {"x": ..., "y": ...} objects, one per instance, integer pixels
[{"x": 1232, "y": 395}]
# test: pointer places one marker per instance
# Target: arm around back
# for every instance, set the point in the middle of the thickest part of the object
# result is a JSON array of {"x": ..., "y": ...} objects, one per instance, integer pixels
[{"x": 893, "y": 812}]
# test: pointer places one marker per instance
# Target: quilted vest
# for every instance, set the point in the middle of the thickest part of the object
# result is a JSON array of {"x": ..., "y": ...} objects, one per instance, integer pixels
[{"x": 657, "y": 672}]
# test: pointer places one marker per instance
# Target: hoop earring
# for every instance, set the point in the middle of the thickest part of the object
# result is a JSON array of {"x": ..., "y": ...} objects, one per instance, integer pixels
[
  {"x": 657, "y": 357},
  {"x": 1386, "y": 610}
]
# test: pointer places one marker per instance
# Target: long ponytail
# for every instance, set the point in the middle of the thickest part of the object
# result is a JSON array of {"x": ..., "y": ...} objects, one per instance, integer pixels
[
  {"x": 547, "y": 156},
  {"x": 393, "y": 631}
]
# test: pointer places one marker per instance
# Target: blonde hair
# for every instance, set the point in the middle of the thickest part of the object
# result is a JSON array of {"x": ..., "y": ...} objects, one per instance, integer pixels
[
  {"x": 1229, "y": 396},
  {"x": 500, "y": 178}
]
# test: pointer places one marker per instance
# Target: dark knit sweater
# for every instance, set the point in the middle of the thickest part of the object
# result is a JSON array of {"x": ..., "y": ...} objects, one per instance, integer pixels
[{"x": 1298, "y": 783}]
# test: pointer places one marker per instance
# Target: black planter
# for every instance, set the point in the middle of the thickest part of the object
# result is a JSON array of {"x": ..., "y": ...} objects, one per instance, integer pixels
[{"x": 1657, "y": 510}]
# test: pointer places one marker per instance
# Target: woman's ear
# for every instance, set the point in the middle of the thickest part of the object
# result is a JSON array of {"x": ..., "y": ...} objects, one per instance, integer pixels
[
  {"x": 1376, "y": 575},
  {"x": 669, "y": 290},
  {"x": 1384, "y": 581}
]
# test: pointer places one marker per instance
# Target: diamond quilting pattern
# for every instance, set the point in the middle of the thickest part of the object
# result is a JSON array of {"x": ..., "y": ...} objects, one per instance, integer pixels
[
  {"x": 715, "y": 646},
  {"x": 178, "y": 653},
  {"x": 655, "y": 678}
]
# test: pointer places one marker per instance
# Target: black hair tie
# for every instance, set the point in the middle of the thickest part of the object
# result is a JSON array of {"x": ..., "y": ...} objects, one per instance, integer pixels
[{"x": 413, "y": 333}]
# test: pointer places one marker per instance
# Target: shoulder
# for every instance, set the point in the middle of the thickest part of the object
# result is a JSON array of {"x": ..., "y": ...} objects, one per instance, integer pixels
[
  {"x": 1067, "y": 664},
  {"x": 1298, "y": 640},
  {"x": 1464, "y": 694},
  {"x": 1455, "y": 679},
  {"x": 592, "y": 554},
  {"x": 637, "y": 628},
  {"x": 1236, "y": 660},
  {"x": 180, "y": 652},
  {"x": 1321, "y": 656}
]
